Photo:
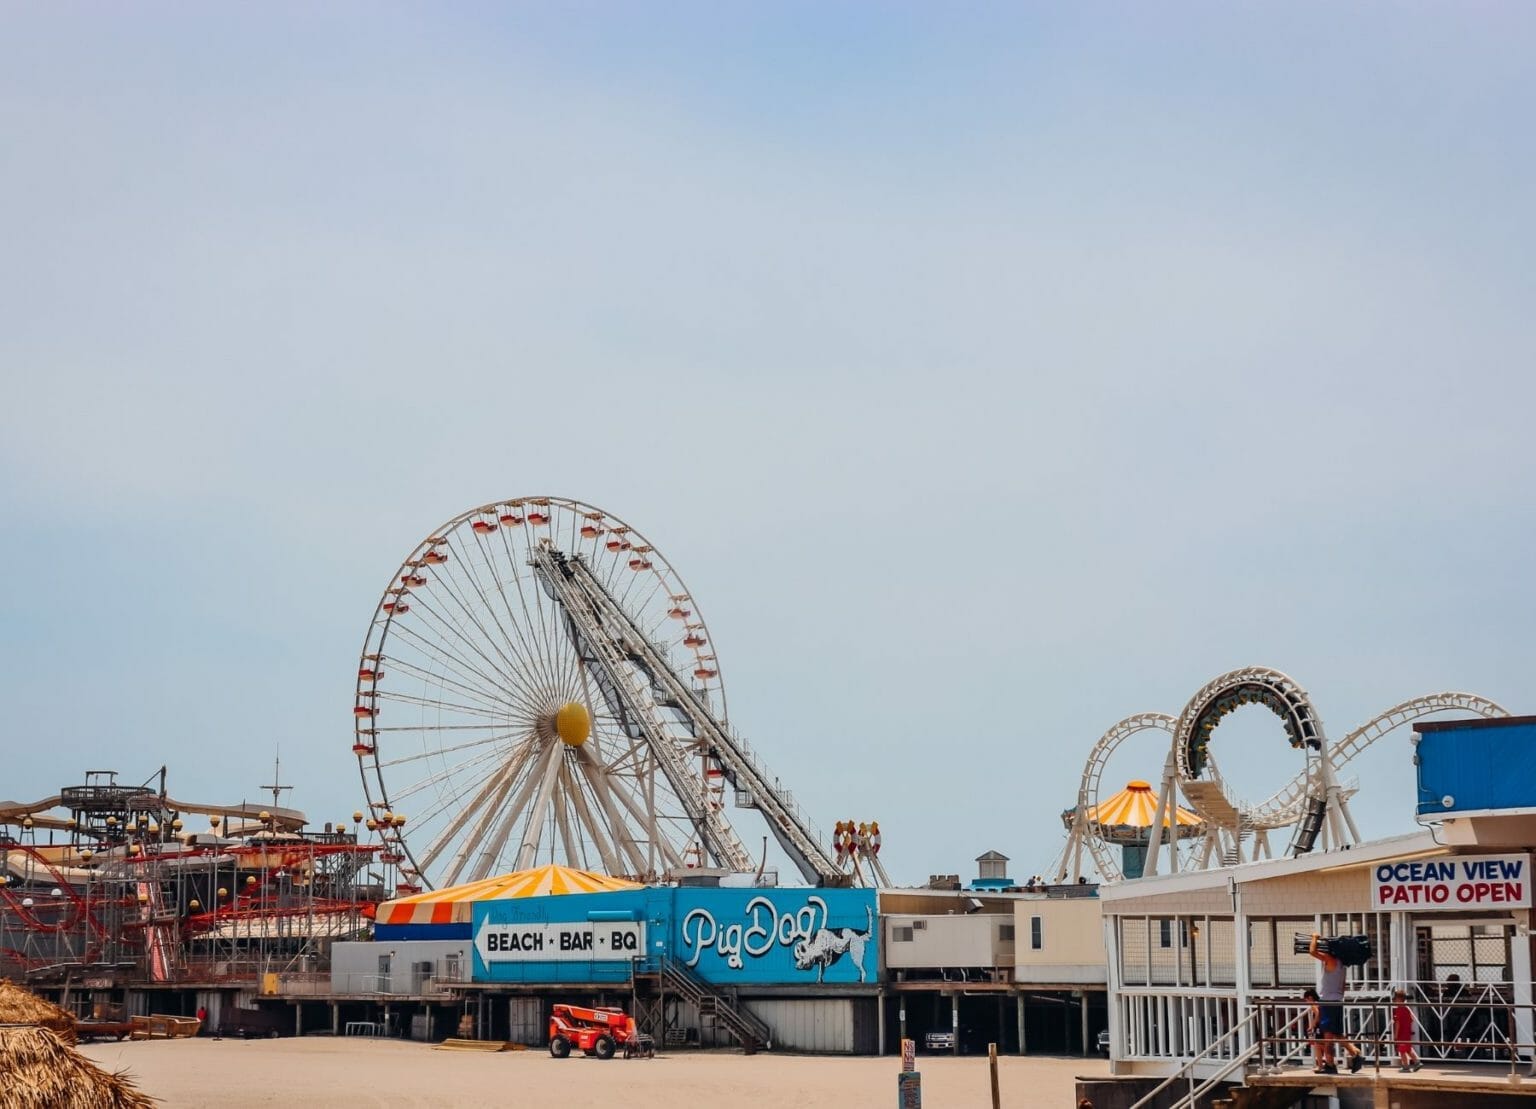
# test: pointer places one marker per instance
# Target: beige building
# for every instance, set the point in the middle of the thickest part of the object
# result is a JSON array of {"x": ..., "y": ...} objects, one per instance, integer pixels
[
  {"x": 1203, "y": 964},
  {"x": 1059, "y": 941}
]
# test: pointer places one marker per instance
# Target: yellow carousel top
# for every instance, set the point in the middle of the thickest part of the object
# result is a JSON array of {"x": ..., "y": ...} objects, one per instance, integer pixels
[
  {"x": 452, "y": 905},
  {"x": 1135, "y": 806}
]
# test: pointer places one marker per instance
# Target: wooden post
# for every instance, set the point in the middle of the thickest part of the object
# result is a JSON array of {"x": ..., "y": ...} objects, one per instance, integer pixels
[{"x": 992, "y": 1064}]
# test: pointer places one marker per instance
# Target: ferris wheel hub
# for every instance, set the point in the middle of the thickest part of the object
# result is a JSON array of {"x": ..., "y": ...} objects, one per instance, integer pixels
[{"x": 573, "y": 723}]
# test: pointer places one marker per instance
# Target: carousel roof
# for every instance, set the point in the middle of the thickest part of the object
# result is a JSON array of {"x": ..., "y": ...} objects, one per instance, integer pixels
[
  {"x": 1135, "y": 806},
  {"x": 452, "y": 905}
]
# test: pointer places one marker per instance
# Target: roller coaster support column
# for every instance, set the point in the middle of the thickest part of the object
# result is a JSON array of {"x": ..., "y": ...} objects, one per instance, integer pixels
[
  {"x": 1341, "y": 826},
  {"x": 1167, "y": 803}
]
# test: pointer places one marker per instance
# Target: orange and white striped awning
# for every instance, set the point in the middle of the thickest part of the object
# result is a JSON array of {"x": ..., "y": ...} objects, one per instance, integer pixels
[
  {"x": 1135, "y": 806},
  {"x": 452, "y": 905}
]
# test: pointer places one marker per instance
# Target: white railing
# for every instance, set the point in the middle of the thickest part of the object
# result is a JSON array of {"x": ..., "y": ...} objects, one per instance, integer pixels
[
  {"x": 366, "y": 983},
  {"x": 1177, "y": 1024},
  {"x": 796, "y": 813}
]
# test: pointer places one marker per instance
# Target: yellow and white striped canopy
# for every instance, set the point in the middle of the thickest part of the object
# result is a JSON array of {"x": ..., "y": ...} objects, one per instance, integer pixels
[
  {"x": 452, "y": 905},
  {"x": 1135, "y": 806}
]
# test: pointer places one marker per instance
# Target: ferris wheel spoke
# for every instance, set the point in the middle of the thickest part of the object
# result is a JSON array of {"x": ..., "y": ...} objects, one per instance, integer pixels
[
  {"x": 453, "y": 799},
  {"x": 573, "y": 848},
  {"x": 439, "y": 651},
  {"x": 506, "y": 666},
  {"x": 543, "y": 663},
  {"x": 446, "y": 632},
  {"x": 444, "y": 775},
  {"x": 507, "y": 681},
  {"x": 388, "y": 661},
  {"x": 427, "y": 728},
  {"x": 429, "y": 702},
  {"x": 555, "y": 644},
  {"x": 517, "y": 809},
  {"x": 499, "y": 781},
  {"x": 405, "y": 760},
  {"x": 574, "y": 782},
  {"x": 457, "y": 585},
  {"x": 545, "y": 659},
  {"x": 482, "y": 548},
  {"x": 518, "y": 783},
  {"x": 471, "y": 842},
  {"x": 533, "y": 822},
  {"x": 597, "y": 781}
]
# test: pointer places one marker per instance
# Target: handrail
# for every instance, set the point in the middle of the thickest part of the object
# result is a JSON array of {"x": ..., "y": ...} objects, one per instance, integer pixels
[
  {"x": 1201, "y": 1090},
  {"x": 1189, "y": 1064},
  {"x": 1504, "y": 1041},
  {"x": 1192, "y": 1098}
]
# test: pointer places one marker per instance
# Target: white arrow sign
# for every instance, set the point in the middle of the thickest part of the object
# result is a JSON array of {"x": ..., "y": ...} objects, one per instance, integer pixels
[{"x": 574, "y": 941}]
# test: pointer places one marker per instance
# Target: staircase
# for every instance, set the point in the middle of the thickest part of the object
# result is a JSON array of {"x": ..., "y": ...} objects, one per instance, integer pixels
[
  {"x": 750, "y": 1030},
  {"x": 1206, "y": 1094},
  {"x": 1240, "y": 847}
]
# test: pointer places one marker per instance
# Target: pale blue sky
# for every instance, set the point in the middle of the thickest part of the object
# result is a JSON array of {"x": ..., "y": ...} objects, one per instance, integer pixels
[{"x": 990, "y": 373}]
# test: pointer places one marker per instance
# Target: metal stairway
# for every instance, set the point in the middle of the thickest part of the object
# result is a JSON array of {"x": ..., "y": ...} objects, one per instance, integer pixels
[
  {"x": 750, "y": 1030},
  {"x": 1197, "y": 1093}
]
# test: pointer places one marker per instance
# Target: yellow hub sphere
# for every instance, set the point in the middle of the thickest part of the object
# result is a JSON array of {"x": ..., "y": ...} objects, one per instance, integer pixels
[{"x": 573, "y": 723}]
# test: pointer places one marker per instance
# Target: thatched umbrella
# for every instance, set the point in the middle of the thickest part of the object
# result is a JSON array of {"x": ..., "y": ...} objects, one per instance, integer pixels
[
  {"x": 20, "y": 1006},
  {"x": 39, "y": 1071}
]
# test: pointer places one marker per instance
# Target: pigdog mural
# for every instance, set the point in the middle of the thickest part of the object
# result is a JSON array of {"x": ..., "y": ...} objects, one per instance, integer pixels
[{"x": 781, "y": 935}]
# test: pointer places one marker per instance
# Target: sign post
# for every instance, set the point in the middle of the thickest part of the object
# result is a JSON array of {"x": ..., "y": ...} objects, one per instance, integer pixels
[{"x": 909, "y": 1084}]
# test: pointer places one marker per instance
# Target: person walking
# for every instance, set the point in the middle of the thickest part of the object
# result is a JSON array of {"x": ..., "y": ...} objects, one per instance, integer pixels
[
  {"x": 1331, "y": 1010},
  {"x": 1402, "y": 1032},
  {"x": 1315, "y": 1035}
]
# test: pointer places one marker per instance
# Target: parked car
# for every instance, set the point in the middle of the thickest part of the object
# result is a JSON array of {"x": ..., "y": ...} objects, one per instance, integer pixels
[
  {"x": 1104, "y": 1043},
  {"x": 939, "y": 1040}
]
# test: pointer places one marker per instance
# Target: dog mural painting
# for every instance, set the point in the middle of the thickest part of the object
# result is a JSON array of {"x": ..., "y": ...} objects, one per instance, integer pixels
[{"x": 780, "y": 935}]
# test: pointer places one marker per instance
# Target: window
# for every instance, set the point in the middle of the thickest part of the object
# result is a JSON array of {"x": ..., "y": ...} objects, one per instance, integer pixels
[
  {"x": 901, "y": 934},
  {"x": 1005, "y": 933},
  {"x": 1036, "y": 933},
  {"x": 1165, "y": 933}
]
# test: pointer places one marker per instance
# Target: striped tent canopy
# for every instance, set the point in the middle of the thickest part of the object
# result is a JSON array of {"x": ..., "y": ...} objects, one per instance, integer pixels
[
  {"x": 1134, "y": 808},
  {"x": 452, "y": 905}
]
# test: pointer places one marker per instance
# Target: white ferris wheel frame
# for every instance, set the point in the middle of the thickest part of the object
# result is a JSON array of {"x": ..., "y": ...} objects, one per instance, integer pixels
[{"x": 611, "y": 796}]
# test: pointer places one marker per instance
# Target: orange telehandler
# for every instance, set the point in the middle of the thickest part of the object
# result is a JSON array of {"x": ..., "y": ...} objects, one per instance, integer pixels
[{"x": 598, "y": 1032}]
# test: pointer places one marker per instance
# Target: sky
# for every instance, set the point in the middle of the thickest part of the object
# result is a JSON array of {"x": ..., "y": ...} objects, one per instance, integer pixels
[{"x": 990, "y": 372}]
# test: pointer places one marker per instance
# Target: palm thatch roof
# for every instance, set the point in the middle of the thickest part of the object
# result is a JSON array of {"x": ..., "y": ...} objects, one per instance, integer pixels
[
  {"x": 39, "y": 1071},
  {"x": 21, "y": 1006}
]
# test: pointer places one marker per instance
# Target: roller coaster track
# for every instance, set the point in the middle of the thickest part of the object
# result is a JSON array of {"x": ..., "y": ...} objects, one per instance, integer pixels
[
  {"x": 1200, "y": 781},
  {"x": 1088, "y": 789},
  {"x": 1286, "y": 805}
]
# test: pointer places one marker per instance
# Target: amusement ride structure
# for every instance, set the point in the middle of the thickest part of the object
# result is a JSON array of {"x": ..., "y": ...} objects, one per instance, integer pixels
[
  {"x": 1312, "y": 808},
  {"x": 537, "y": 684},
  {"x": 105, "y": 883}
]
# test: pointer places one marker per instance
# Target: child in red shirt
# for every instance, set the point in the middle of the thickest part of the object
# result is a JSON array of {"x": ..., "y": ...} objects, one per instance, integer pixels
[{"x": 1402, "y": 1032}]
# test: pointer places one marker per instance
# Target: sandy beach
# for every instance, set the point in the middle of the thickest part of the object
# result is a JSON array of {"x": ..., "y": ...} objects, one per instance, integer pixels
[{"x": 235, "y": 1074}]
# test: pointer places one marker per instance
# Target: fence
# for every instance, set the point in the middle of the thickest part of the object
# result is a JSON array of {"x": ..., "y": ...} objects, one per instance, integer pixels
[{"x": 1459, "y": 1025}]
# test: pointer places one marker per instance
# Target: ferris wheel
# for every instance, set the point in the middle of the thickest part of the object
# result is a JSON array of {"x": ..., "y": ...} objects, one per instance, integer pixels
[{"x": 537, "y": 684}]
